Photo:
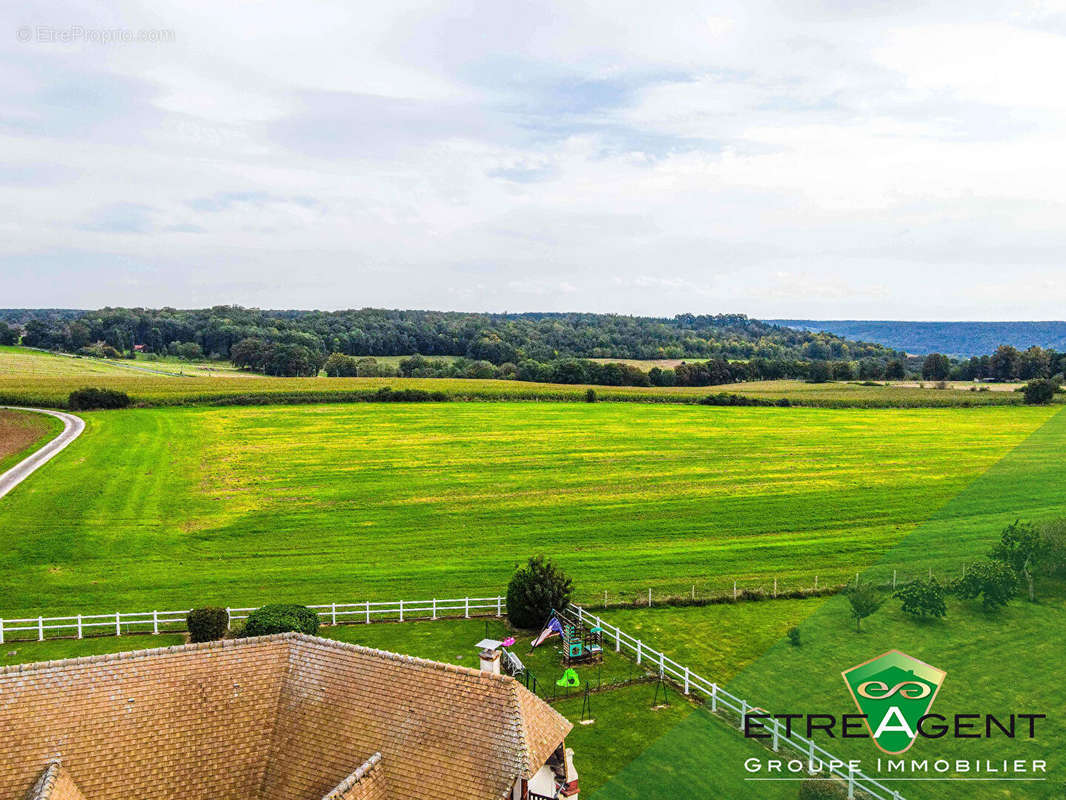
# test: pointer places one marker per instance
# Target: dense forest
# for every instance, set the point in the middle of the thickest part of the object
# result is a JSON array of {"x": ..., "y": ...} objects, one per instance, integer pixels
[
  {"x": 495, "y": 338},
  {"x": 959, "y": 339}
]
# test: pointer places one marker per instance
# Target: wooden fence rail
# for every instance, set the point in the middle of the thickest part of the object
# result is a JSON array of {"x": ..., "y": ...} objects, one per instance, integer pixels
[{"x": 119, "y": 623}]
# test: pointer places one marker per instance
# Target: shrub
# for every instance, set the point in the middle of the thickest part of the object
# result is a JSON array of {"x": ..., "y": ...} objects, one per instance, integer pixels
[
  {"x": 821, "y": 789},
  {"x": 89, "y": 398},
  {"x": 794, "y": 636},
  {"x": 590, "y": 395},
  {"x": 207, "y": 624},
  {"x": 864, "y": 600},
  {"x": 1039, "y": 392},
  {"x": 922, "y": 598},
  {"x": 993, "y": 581},
  {"x": 280, "y": 618},
  {"x": 535, "y": 590}
]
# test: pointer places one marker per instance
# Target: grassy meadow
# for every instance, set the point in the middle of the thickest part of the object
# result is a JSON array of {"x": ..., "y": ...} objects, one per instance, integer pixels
[
  {"x": 29, "y": 377},
  {"x": 1005, "y": 662},
  {"x": 152, "y": 508}
]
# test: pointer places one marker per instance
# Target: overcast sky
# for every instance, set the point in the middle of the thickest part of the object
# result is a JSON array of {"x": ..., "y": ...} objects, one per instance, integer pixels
[{"x": 842, "y": 159}]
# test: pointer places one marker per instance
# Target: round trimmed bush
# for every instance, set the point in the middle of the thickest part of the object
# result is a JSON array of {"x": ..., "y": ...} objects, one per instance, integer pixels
[
  {"x": 208, "y": 624},
  {"x": 280, "y": 618}
]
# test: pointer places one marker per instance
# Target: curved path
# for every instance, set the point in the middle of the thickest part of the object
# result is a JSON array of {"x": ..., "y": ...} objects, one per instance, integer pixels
[{"x": 72, "y": 428}]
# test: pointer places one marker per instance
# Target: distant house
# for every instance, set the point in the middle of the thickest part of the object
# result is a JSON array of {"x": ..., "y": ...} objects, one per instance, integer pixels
[
  {"x": 138, "y": 348},
  {"x": 285, "y": 717}
]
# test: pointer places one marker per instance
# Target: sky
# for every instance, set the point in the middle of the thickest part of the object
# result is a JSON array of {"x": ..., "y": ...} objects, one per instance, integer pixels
[{"x": 848, "y": 159}]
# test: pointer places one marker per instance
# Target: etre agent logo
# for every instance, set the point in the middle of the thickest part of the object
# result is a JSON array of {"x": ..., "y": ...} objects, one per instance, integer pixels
[{"x": 894, "y": 691}]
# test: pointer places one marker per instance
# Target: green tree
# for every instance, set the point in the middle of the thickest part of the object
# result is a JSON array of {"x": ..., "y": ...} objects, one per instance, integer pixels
[
  {"x": 820, "y": 372},
  {"x": 1024, "y": 549},
  {"x": 993, "y": 581},
  {"x": 936, "y": 367},
  {"x": 535, "y": 591},
  {"x": 1006, "y": 363},
  {"x": 895, "y": 370},
  {"x": 922, "y": 598},
  {"x": 8, "y": 336},
  {"x": 864, "y": 600},
  {"x": 1039, "y": 392}
]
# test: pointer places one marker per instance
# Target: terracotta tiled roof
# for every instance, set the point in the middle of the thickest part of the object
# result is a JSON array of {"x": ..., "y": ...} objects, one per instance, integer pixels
[
  {"x": 55, "y": 784},
  {"x": 366, "y": 783},
  {"x": 282, "y": 717}
]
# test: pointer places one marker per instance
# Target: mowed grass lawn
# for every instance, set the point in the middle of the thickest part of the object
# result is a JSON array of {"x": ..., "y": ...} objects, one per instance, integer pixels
[
  {"x": 156, "y": 508},
  {"x": 1001, "y": 663}
]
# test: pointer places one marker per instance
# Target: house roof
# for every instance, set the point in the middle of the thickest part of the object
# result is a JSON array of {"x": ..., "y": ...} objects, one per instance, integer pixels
[{"x": 285, "y": 717}]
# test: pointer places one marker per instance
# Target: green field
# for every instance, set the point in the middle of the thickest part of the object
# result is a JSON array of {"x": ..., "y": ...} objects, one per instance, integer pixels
[
  {"x": 1010, "y": 661},
  {"x": 30, "y": 377},
  {"x": 152, "y": 508}
]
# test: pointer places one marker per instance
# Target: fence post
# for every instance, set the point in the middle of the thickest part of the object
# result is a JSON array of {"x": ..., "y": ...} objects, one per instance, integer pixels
[
  {"x": 649, "y": 597},
  {"x": 2, "y": 631},
  {"x": 662, "y": 664},
  {"x": 775, "y": 588},
  {"x": 605, "y": 598},
  {"x": 734, "y": 590},
  {"x": 743, "y": 712},
  {"x": 367, "y": 612},
  {"x": 466, "y": 612},
  {"x": 777, "y": 734},
  {"x": 693, "y": 593},
  {"x": 893, "y": 580},
  {"x": 155, "y": 622},
  {"x": 499, "y": 606},
  {"x": 617, "y": 639},
  {"x": 810, "y": 759},
  {"x": 333, "y": 612},
  {"x": 816, "y": 583},
  {"x": 686, "y": 680},
  {"x": 851, "y": 783},
  {"x": 638, "y": 651},
  {"x": 434, "y": 608},
  {"x": 40, "y": 629},
  {"x": 229, "y": 618},
  {"x": 714, "y": 698},
  {"x": 401, "y": 611}
]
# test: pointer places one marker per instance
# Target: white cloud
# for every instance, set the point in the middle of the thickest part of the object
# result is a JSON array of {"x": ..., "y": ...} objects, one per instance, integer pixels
[{"x": 816, "y": 159}]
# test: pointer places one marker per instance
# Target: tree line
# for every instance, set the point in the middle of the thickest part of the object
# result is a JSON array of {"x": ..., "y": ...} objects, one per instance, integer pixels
[{"x": 496, "y": 338}]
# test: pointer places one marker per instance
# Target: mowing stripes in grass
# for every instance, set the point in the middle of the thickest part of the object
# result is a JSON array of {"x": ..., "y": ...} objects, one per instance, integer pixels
[{"x": 179, "y": 507}]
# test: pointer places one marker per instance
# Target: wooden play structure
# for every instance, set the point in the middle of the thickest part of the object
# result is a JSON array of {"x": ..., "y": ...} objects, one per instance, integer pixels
[{"x": 580, "y": 644}]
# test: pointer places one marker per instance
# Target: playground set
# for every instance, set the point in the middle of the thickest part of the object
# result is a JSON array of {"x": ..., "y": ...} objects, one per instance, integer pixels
[{"x": 580, "y": 644}]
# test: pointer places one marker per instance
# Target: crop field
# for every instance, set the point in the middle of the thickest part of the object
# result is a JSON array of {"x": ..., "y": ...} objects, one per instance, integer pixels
[
  {"x": 169, "y": 507},
  {"x": 21, "y": 433},
  {"x": 35, "y": 378}
]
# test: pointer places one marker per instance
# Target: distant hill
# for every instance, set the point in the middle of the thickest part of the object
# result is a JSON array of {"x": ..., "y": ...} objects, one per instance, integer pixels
[{"x": 952, "y": 338}]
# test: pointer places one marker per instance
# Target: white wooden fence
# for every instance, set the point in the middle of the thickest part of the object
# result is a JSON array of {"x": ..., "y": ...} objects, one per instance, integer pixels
[
  {"x": 119, "y": 623},
  {"x": 720, "y": 699}
]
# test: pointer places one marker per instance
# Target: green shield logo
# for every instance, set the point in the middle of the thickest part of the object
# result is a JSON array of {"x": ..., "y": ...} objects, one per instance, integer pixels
[{"x": 894, "y": 691}]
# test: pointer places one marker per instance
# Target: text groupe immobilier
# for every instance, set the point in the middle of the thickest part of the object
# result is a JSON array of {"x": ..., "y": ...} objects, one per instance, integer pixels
[{"x": 897, "y": 765}]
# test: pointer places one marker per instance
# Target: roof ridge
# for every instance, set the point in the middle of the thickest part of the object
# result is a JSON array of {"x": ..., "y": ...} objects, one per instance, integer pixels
[
  {"x": 489, "y": 677},
  {"x": 130, "y": 655},
  {"x": 361, "y": 772}
]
